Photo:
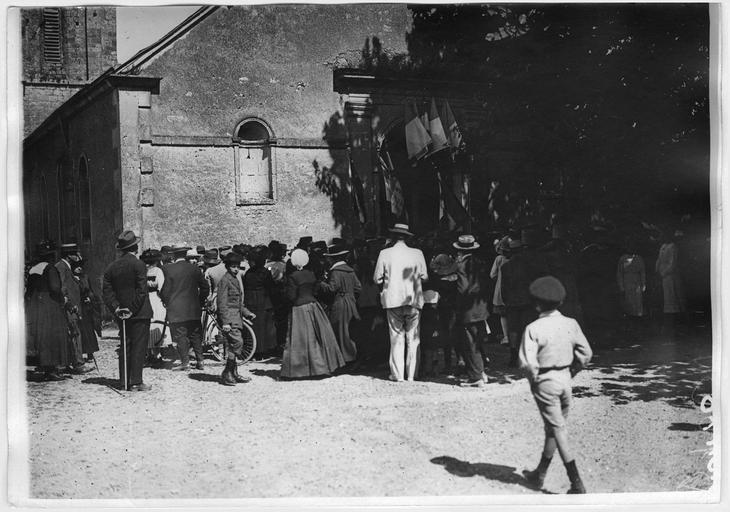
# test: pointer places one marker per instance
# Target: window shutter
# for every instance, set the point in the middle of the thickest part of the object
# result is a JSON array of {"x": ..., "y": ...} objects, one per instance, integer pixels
[{"x": 52, "y": 35}]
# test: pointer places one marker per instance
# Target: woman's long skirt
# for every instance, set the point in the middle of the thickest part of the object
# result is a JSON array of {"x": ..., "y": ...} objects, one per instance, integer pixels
[{"x": 311, "y": 347}]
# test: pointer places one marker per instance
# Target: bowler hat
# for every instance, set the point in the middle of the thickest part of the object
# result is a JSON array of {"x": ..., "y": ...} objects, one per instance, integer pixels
[
  {"x": 232, "y": 259},
  {"x": 337, "y": 249},
  {"x": 179, "y": 249},
  {"x": 46, "y": 247},
  {"x": 548, "y": 289},
  {"x": 223, "y": 250},
  {"x": 211, "y": 257},
  {"x": 466, "y": 243},
  {"x": 151, "y": 256},
  {"x": 401, "y": 229},
  {"x": 200, "y": 249},
  {"x": 304, "y": 242},
  {"x": 443, "y": 265},
  {"x": 127, "y": 239},
  {"x": 319, "y": 245}
]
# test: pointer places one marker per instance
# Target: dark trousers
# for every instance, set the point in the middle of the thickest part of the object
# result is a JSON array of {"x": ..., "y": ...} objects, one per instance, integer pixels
[
  {"x": 474, "y": 339},
  {"x": 186, "y": 334},
  {"x": 137, "y": 335}
]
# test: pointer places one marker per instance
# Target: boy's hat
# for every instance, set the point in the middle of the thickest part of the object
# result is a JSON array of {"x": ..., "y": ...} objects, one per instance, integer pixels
[
  {"x": 548, "y": 289},
  {"x": 232, "y": 259}
]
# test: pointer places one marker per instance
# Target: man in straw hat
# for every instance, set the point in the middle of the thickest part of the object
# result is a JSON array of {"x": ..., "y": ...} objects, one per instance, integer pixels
[
  {"x": 125, "y": 294},
  {"x": 400, "y": 270},
  {"x": 553, "y": 350},
  {"x": 184, "y": 293},
  {"x": 471, "y": 308}
]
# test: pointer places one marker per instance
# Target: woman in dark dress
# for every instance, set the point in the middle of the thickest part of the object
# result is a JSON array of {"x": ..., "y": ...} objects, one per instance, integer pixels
[
  {"x": 258, "y": 287},
  {"x": 47, "y": 325},
  {"x": 311, "y": 347}
]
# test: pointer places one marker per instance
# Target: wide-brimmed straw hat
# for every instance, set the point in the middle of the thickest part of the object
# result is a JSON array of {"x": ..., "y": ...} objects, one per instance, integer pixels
[
  {"x": 401, "y": 229},
  {"x": 127, "y": 239},
  {"x": 466, "y": 243}
]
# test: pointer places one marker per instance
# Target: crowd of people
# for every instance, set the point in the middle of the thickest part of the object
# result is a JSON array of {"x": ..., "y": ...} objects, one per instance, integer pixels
[{"x": 424, "y": 306}]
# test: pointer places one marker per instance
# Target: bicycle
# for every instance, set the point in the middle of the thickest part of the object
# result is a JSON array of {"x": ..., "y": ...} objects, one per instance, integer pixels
[{"x": 214, "y": 341}]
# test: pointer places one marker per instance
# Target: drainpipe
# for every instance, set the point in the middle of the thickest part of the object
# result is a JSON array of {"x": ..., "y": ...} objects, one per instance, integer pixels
[{"x": 86, "y": 40}]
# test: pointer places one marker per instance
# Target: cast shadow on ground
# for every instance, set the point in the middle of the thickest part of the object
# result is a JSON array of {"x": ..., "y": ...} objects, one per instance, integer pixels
[
  {"x": 688, "y": 427},
  {"x": 673, "y": 382},
  {"x": 272, "y": 374},
  {"x": 498, "y": 472},
  {"x": 102, "y": 381},
  {"x": 205, "y": 377}
]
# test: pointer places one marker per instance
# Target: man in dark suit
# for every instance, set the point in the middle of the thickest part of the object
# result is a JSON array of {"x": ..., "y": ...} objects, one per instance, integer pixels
[
  {"x": 70, "y": 258},
  {"x": 125, "y": 293},
  {"x": 184, "y": 293}
]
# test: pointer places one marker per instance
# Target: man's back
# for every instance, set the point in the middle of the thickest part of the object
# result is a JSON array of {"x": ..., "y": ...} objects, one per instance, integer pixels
[
  {"x": 184, "y": 291},
  {"x": 401, "y": 269},
  {"x": 125, "y": 285}
]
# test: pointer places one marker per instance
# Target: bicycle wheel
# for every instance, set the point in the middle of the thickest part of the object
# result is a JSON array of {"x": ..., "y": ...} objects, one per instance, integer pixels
[
  {"x": 215, "y": 340},
  {"x": 249, "y": 342}
]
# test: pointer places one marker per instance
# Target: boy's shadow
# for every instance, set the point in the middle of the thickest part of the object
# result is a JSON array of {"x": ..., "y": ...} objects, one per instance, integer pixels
[{"x": 505, "y": 474}]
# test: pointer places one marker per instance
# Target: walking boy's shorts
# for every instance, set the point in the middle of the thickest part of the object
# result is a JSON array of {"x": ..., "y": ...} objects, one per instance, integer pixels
[{"x": 553, "y": 395}]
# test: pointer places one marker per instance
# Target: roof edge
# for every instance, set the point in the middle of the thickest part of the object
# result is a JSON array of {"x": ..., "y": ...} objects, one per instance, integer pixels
[{"x": 106, "y": 82}]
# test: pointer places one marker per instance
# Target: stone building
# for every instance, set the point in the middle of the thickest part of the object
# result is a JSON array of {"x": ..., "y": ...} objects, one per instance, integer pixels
[
  {"x": 64, "y": 49},
  {"x": 243, "y": 124}
]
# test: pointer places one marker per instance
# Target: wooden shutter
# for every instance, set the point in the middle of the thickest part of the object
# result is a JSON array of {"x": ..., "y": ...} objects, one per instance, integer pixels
[{"x": 52, "y": 35}]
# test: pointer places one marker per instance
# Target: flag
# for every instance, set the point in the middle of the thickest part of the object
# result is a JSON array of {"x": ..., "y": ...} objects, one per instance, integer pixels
[
  {"x": 445, "y": 219},
  {"x": 358, "y": 195},
  {"x": 452, "y": 206},
  {"x": 452, "y": 129},
  {"x": 417, "y": 137},
  {"x": 438, "y": 135},
  {"x": 393, "y": 190},
  {"x": 396, "y": 197}
]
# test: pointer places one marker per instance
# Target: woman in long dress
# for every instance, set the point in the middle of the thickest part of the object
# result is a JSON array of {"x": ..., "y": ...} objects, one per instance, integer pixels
[
  {"x": 311, "y": 347},
  {"x": 667, "y": 266},
  {"x": 90, "y": 320},
  {"x": 258, "y": 287},
  {"x": 46, "y": 324},
  {"x": 631, "y": 279},
  {"x": 159, "y": 334}
]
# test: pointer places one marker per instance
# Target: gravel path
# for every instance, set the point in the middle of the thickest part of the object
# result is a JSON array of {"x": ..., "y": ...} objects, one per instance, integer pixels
[{"x": 633, "y": 428}]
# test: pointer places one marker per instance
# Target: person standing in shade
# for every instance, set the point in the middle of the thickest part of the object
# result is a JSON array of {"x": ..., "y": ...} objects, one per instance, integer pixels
[
  {"x": 311, "y": 347},
  {"x": 277, "y": 267},
  {"x": 553, "y": 350},
  {"x": 231, "y": 312},
  {"x": 667, "y": 266},
  {"x": 401, "y": 270},
  {"x": 344, "y": 285},
  {"x": 72, "y": 294},
  {"x": 631, "y": 279},
  {"x": 503, "y": 255},
  {"x": 258, "y": 287},
  {"x": 90, "y": 318},
  {"x": 471, "y": 308},
  {"x": 184, "y": 293},
  {"x": 125, "y": 294},
  {"x": 45, "y": 316}
]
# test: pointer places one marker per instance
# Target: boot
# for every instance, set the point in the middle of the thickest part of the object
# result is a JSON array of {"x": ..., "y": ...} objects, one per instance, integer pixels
[
  {"x": 536, "y": 477},
  {"x": 236, "y": 376},
  {"x": 576, "y": 484},
  {"x": 227, "y": 378}
]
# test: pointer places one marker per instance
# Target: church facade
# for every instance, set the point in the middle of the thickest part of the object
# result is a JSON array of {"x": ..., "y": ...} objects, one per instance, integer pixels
[{"x": 244, "y": 124}]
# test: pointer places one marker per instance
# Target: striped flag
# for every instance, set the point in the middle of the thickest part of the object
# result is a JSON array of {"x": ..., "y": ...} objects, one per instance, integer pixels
[
  {"x": 417, "y": 137},
  {"x": 438, "y": 135},
  {"x": 358, "y": 194},
  {"x": 393, "y": 190},
  {"x": 452, "y": 129}
]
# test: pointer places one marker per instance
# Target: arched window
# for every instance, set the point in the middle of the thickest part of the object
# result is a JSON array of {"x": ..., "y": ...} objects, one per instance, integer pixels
[
  {"x": 84, "y": 200},
  {"x": 68, "y": 204},
  {"x": 45, "y": 222},
  {"x": 255, "y": 182}
]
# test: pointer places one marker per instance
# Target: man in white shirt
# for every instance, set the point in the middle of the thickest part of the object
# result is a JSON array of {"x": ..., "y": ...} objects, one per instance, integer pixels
[{"x": 401, "y": 270}]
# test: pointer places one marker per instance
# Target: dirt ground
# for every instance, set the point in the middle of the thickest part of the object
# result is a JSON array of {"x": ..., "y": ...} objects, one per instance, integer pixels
[{"x": 633, "y": 427}]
